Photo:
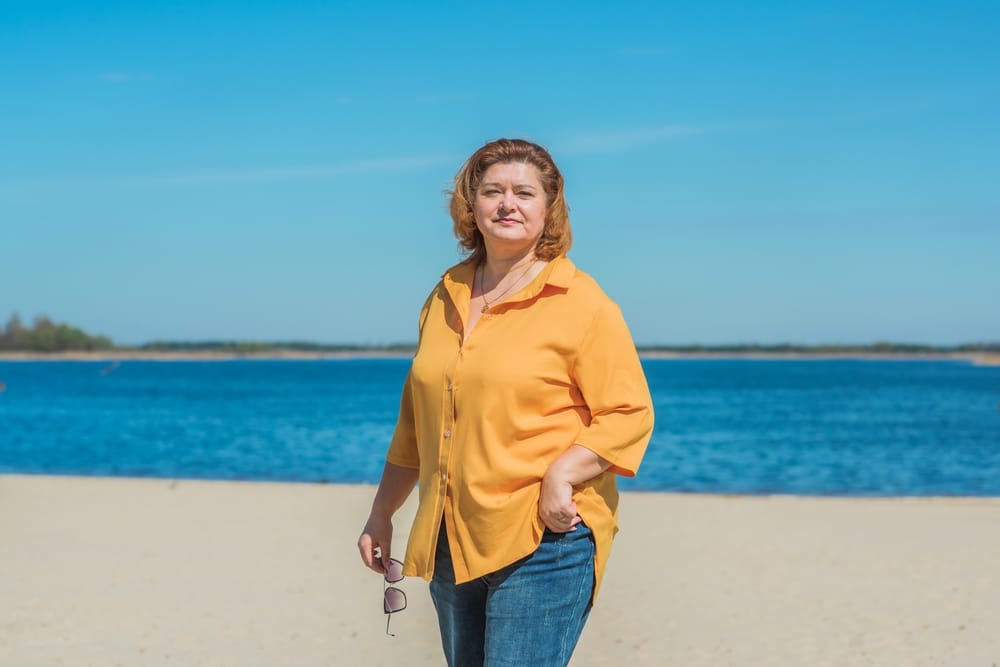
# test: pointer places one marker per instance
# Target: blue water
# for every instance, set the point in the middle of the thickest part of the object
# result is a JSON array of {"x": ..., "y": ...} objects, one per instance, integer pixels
[{"x": 848, "y": 427}]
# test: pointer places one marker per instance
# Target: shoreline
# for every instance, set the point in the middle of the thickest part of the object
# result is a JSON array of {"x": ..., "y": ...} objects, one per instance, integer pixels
[
  {"x": 207, "y": 355},
  {"x": 978, "y": 359}
]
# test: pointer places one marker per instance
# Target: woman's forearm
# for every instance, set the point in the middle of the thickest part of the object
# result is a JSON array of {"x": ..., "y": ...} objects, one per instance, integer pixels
[
  {"x": 375, "y": 543},
  {"x": 577, "y": 465},
  {"x": 393, "y": 489}
]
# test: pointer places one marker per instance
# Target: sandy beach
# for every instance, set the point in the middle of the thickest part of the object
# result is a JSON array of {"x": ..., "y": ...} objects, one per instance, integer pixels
[{"x": 127, "y": 572}]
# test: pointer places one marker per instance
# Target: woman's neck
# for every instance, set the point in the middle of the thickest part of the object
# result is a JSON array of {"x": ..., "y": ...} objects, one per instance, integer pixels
[{"x": 496, "y": 266}]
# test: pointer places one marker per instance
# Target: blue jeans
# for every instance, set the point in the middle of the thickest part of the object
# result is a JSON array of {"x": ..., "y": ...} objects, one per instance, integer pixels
[{"x": 529, "y": 613}]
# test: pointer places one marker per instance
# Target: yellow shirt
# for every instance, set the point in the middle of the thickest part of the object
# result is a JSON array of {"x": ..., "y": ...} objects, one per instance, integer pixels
[{"x": 483, "y": 418}]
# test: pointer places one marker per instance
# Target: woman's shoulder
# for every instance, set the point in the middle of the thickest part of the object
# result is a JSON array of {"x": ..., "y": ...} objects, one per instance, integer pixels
[
  {"x": 451, "y": 281},
  {"x": 583, "y": 286},
  {"x": 456, "y": 273}
]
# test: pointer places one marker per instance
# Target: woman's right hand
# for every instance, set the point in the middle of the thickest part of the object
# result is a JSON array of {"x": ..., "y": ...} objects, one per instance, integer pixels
[{"x": 375, "y": 543}]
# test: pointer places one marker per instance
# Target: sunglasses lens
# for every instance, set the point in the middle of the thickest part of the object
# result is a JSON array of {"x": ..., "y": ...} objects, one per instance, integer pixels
[
  {"x": 395, "y": 600},
  {"x": 394, "y": 572}
]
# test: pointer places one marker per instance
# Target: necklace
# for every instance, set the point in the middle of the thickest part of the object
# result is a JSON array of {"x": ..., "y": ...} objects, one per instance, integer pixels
[{"x": 486, "y": 304}]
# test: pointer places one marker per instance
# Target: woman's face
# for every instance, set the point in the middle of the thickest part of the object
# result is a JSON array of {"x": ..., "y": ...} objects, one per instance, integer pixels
[{"x": 510, "y": 206}]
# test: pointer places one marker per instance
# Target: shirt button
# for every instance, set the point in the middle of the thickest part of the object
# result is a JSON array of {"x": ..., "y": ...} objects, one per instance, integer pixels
[
  {"x": 450, "y": 386},
  {"x": 447, "y": 433},
  {"x": 444, "y": 476}
]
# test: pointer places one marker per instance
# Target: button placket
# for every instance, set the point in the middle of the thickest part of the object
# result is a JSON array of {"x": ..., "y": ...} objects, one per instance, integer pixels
[
  {"x": 446, "y": 450},
  {"x": 446, "y": 442}
]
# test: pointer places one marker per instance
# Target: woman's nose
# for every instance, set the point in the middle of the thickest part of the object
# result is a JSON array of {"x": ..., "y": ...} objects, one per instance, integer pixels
[{"x": 508, "y": 201}]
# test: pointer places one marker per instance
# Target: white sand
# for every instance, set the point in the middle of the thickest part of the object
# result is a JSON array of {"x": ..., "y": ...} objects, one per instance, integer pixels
[{"x": 111, "y": 572}]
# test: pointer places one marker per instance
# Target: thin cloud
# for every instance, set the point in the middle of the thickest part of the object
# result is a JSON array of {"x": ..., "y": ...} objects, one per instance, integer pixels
[
  {"x": 115, "y": 77},
  {"x": 396, "y": 100},
  {"x": 444, "y": 98},
  {"x": 644, "y": 52},
  {"x": 119, "y": 77},
  {"x": 624, "y": 140},
  {"x": 308, "y": 173},
  {"x": 29, "y": 190},
  {"x": 827, "y": 19}
]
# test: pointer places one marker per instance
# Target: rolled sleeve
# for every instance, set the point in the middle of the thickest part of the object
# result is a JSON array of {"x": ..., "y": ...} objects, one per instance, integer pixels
[
  {"x": 403, "y": 447},
  {"x": 610, "y": 378}
]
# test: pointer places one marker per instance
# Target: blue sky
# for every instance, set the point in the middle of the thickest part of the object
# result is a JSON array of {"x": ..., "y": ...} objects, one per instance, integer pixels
[{"x": 736, "y": 172}]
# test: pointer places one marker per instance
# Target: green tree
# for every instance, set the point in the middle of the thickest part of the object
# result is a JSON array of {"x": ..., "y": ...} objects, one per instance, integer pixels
[
  {"x": 48, "y": 336},
  {"x": 13, "y": 334}
]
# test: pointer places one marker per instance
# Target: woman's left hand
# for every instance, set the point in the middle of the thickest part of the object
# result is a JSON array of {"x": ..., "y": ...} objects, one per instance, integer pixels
[{"x": 555, "y": 505}]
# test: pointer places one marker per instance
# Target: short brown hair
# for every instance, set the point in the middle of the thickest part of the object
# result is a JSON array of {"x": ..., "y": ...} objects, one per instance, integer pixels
[{"x": 556, "y": 237}]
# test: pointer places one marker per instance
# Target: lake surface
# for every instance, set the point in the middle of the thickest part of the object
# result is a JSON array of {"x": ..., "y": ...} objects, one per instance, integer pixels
[{"x": 845, "y": 427}]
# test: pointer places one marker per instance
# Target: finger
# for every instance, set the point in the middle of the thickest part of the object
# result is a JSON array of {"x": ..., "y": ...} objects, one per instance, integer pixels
[
  {"x": 560, "y": 522},
  {"x": 553, "y": 526},
  {"x": 365, "y": 548},
  {"x": 379, "y": 564},
  {"x": 385, "y": 559},
  {"x": 549, "y": 521},
  {"x": 368, "y": 550},
  {"x": 564, "y": 511}
]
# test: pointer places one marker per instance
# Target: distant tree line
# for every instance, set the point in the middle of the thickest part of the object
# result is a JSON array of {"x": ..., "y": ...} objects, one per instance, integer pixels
[
  {"x": 881, "y": 347},
  {"x": 255, "y": 347},
  {"x": 48, "y": 336}
]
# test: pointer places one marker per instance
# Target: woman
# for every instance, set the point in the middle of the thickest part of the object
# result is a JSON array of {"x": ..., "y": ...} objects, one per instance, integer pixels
[{"x": 525, "y": 398}]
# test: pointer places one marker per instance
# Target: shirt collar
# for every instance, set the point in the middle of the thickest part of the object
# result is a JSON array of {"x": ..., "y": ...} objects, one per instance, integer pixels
[
  {"x": 458, "y": 279},
  {"x": 457, "y": 282},
  {"x": 560, "y": 272}
]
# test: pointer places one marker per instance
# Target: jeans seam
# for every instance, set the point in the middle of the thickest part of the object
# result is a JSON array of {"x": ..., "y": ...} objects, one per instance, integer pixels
[{"x": 565, "y": 651}]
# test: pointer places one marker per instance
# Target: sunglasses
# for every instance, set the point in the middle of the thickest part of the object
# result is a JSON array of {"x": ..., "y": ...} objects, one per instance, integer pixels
[{"x": 393, "y": 599}]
